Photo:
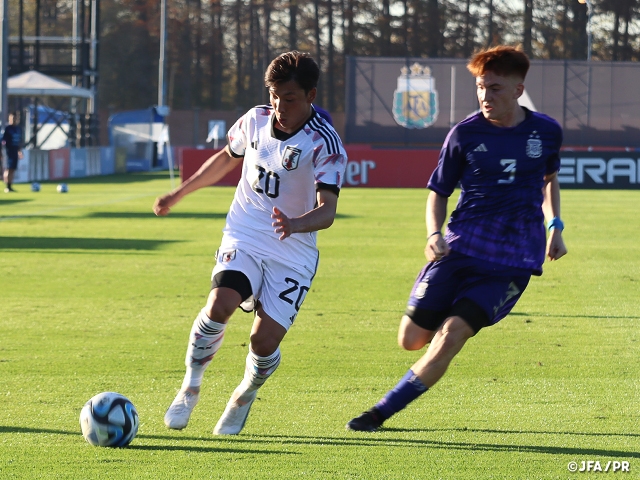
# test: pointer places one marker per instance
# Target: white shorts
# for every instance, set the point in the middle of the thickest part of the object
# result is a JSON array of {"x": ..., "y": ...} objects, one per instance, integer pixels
[{"x": 280, "y": 288}]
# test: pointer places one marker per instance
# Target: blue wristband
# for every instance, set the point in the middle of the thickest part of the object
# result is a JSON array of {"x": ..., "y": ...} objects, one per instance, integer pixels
[
  {"x": 437, "y": 232},
  {"x": 555, "y": 223}
]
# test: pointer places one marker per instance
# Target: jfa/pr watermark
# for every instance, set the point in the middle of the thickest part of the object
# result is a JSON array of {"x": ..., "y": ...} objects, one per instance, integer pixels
[{"x": 597, "y": 466}]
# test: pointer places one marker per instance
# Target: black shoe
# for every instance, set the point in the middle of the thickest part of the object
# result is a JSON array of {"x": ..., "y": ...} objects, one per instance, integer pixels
[{"x": 369, "y": 421}]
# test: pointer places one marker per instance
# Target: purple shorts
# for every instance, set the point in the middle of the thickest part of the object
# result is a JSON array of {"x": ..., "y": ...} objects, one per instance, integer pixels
[{"x": 493, "y": 287}]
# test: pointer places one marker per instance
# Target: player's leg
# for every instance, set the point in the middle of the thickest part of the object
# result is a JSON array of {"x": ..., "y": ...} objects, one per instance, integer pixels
[
  {"x": 229, "y": 289},
  {"x": 262, "y": 361},
  {"x": 205, "y": 339},
  {"x": 431, "y": 296},
  {"x": 483, "y": 299},
  {"x": 445, "y": 345},
  {"x": 9, "y": 173},
  {"x": 284, "y": 289},
  {"x": 412, "y": 336}
]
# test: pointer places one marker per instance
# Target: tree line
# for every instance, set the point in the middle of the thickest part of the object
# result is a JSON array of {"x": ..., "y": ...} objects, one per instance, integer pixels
[{"x": 217, "y": 50}]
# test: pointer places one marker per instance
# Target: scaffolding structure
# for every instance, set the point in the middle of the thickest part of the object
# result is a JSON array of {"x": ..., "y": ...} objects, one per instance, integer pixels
[{"x": 71, "y": 58}]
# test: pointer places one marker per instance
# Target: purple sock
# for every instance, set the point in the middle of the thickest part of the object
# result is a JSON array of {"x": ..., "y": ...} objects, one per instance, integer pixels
[{"x": 405, "y": 392}]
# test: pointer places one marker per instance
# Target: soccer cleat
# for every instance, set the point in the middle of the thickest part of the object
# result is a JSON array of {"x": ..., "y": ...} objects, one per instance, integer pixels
[
  {"x": 235, "y": 415},
  {"x": 177, "y": 416},
  {"x": 369, "y": 421}
]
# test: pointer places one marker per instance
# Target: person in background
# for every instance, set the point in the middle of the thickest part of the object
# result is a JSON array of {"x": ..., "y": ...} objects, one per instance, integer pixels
[{"x": 12, "y": 140}]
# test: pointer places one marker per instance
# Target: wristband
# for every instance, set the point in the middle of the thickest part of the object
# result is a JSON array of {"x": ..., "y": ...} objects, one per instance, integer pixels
[
  {"x": 437, "y": 232},
  {"x": 555, "y": 222}
]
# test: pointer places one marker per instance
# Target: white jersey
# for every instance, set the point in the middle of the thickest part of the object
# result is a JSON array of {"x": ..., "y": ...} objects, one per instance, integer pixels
[{"x": 283, "y": 174}]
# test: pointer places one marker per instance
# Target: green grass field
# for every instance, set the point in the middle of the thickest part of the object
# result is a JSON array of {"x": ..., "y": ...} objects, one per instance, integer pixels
[{"x": 97, "y": 294}]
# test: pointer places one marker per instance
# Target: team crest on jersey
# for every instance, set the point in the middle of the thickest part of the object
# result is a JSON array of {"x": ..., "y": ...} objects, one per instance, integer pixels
[
  {"x": 415, "y": 100},
  {"x": 226, "y": 257},
  {"x": 421, "y": 289},
  {"x": 290, "y": 158},
  {"x": 534, "y": 146}
]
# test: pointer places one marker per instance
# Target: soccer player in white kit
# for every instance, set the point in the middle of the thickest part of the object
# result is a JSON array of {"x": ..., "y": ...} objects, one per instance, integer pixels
[{"x": 293, "y": 166}]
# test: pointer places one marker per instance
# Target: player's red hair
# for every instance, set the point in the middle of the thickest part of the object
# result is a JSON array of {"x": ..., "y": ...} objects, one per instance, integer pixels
[{"x": 502, "y": 60}]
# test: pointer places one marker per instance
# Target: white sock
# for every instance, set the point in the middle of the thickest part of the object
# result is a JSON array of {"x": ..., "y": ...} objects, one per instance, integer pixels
[
  {"x": 258, "y": 369},
  {"x": 204, "y": 341}
]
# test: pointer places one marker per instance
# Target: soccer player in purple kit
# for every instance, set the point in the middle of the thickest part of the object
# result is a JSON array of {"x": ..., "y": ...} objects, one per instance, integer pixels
[{"x": 506, "y": 159}]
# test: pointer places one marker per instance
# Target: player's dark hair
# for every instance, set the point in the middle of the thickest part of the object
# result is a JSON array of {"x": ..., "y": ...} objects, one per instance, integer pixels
[
  {"x": 502, "y": 60},
  {"x": 294, "y": 65}
]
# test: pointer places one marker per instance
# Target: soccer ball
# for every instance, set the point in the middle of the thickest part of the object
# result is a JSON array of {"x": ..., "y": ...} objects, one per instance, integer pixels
[
  {"x": 62, "y": 188},
  {"x": 109, "y": 420},
  {"x": 35, "y": 187}
]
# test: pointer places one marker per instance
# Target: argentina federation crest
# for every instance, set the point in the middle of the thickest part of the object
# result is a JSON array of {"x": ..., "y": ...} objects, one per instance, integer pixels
[
  {"x": 534, "y": 146},
  {"x": 290, "y": 158},
  {"x": 415, "y": 100}
]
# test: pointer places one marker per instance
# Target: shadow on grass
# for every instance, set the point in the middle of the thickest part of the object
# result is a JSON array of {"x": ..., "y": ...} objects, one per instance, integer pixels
[
  {"x": 150, "y": 215},
  {"x": 11, "y": 429},
  {"x": 191, "y": 448},
  {"x": 181, "y": 215},
  {"x": 70, "y": 243},
  {"x": 379, "y": 439},
  {"x": 545, "y": 315},
  {"x": 11, "y": 201},
  {"x": 118, "y": 178},
  {"x": 135, "y": 446}
]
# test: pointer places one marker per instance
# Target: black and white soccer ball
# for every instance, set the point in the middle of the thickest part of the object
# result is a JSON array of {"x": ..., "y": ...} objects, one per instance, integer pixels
[
  {"x": 62, "y": 188},
  {"x": 109, "y": 420}
]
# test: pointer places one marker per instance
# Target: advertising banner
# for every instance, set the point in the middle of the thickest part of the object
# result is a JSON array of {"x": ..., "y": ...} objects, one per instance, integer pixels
[
  {"x": 21, "y": 174},
  {"x": 399, "y": 168},
  {"x": 38, "y": 165},
  {"x": 78, "y": 163},
  {"x": 590, "y": 170},
  {"x": 59, "y": 163},
  {"x": 191, "y": 159},
  {"x": 367, "y": 167}
]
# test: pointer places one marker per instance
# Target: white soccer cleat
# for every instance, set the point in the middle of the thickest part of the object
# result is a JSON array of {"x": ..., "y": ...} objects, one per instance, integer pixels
[
  {"x": 235, "y": 415},
  {"x": 177, "y": 416}
]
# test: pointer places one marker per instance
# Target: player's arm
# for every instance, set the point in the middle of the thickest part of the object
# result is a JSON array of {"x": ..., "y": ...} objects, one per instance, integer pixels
[
  {"x": 436, "y": 214},
  {"x": 211, "y": 172},
  {"x": 319, "y": 218},
  {"x": 551, "y": 210}
]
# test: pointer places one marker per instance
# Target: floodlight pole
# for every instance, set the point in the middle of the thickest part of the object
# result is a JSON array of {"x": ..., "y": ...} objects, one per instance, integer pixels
[
  {"x": 589, "y": 33},
  {"x": 163, "y": 40}
]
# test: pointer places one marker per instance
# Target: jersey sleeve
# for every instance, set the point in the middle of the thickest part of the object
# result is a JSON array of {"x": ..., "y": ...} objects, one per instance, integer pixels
[
  {"x": 553, "y": 162},
  {"x": 329, "y": 164},
  {"x": 237, "y": 136},
  {"x": 447, "y": 174}
]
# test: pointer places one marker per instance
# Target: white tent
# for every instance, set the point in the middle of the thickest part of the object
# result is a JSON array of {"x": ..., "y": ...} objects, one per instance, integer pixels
[{"x": 36, "y": 84}]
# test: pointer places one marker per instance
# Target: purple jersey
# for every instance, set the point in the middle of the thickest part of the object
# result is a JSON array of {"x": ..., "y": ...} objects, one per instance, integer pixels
[{"x": 501, "y": 174}]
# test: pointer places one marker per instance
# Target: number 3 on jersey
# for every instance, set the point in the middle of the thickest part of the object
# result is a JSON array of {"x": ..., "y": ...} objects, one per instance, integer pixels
[
  {"x": 509, "y": 165},
  {"x": 267, "y": 183}
]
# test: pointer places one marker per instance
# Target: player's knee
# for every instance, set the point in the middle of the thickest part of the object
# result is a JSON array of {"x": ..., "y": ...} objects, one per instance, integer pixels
[
  {"x": 411, "y": 336},
  {"x": 410, "y": 343},
  {"x": 218, "y": 308},
  {"x": 456, "y": 330},
  {"x": 263, "y": 345}
]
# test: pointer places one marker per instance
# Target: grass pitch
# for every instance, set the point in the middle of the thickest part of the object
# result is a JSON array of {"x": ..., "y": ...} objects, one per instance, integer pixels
[{"x": 99, "y": 295}]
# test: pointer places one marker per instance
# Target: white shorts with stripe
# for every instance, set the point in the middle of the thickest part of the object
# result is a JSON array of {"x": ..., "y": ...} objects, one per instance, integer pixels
[{"x": 279, "y": 287}]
